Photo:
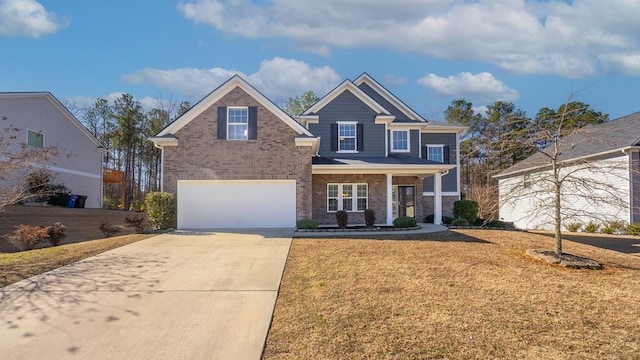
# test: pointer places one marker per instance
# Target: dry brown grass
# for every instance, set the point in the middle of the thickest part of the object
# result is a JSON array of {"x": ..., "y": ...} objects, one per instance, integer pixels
[
  {"x": 18, "y": 266},
  {"x": 467, "y": 294}
]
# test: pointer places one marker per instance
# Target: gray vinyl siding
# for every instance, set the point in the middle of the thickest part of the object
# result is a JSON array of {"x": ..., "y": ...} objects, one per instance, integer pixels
[
  {"x": 449, "y": 181},
  {"x": 382, "y": 101},
  {"x": 347, "y": 107}
]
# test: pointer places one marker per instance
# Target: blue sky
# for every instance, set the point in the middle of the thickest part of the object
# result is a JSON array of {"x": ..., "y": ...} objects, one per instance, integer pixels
[{"x": 428, "y": 52}]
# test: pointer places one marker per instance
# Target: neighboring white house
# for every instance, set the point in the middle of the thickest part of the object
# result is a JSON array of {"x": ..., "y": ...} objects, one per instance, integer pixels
[
  {"x": 44, "y": 121},
  {"x": 602, "y": 179}
]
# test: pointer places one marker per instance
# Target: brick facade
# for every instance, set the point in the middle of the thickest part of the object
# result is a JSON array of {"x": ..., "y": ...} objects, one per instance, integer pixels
[
  {"x": 447, "y": 205},
  {"x": 273, "y": 156},
  {"x": 377, "y": 196}
]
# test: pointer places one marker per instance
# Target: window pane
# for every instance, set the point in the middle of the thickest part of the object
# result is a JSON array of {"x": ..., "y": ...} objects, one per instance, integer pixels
[
  {"x": 347, "y": 204},
  {"x": 362, "y": 204},
  {"x": 362, "y": 190},
  {"x": 347, "y": 191},
  {"x": 332, "y": 205},
  {"x": 434, "y": 153},
  {"x": 347, "y": 144},
  {"x": 35, "y": 139},
  {"x": 332, "y": 190},
  {"x": 400, "y": 141},
  {"x": 238, "y": 115},
  {"x": 238, "y": 132},
  {"x": 347, "y": 130}
]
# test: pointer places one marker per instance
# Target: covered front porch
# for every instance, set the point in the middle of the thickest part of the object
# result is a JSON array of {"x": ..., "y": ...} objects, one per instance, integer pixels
[{"x": 392, "y": 190}]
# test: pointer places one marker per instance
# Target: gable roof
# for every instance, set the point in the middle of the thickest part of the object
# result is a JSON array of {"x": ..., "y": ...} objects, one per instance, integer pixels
[
  {"x": 388, "y": 97},
  {"x": 347, "y": 85},
  {"x": 59, "y": 106},
  {"x": 591, "y": 141},
  {"x": 235, "y": 82}
]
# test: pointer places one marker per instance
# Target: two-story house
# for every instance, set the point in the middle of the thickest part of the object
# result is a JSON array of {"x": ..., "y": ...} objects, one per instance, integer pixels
[{"x": 235, "y": 159}]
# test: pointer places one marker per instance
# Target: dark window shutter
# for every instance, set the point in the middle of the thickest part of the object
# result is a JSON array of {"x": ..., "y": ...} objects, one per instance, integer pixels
[
  {"x": 445, "y": 154},
  {"x": 222, "y": 122},
  {"x": 334, "y": 137},
  {"x": 360, "y": 137},
  {"x": 253, "y": 123},
  {"x": 424, "y": 153}
]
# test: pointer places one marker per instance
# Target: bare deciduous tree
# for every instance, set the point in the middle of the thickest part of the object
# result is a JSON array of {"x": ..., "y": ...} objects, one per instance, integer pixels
[
  {"x": 17, "y": 162},
  {"x": 558, "y": 183}
]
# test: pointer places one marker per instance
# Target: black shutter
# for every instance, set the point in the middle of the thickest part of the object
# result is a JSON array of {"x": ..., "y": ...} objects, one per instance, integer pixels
[
  {"x": 253, "y": 123},
  {"x": 334, "y": 137},
  {"x": 425, "y": 155},
  {"x": 360, "y": 137},
  {"x": 445, "y": 154},
  {"x": 222, "y": 122}
]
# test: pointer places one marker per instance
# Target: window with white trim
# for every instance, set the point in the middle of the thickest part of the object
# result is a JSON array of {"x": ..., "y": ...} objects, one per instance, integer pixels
[
  {"x": 347, "y": 136},
  {"x": 347, "y": 197},
  {"x": 526, "y": 181},
  {"x": 237, "y": 123},
  {"x": 435, "y": 153},
  {"x": 400, "y": 140},
  {"x": 35, "y": 139}
]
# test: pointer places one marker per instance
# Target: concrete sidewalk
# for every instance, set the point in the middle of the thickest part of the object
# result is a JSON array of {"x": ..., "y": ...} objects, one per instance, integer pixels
[{"x": 182, "y": 295}]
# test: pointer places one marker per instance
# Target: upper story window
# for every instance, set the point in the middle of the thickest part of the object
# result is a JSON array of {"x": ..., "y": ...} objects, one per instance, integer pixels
[
  {"x": 347, "y": 138},
  {"x": 237, "y": 123},
  {"x": 435, "y": 153},
  {"x": 35, "y": 139},
  {"x": 400, "y": 140}
]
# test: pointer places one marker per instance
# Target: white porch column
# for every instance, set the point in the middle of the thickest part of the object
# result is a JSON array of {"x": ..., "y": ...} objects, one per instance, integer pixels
[
  {"x": 437, "y": 198},
  {"x": 389, "y": 199}
]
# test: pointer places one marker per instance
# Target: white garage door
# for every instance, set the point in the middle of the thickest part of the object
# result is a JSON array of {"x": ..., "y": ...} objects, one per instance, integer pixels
[{"x": 209, "y": 204}]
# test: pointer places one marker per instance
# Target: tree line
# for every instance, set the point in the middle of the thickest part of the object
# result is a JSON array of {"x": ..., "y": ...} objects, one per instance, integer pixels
[{"x": 123, "y": 126}]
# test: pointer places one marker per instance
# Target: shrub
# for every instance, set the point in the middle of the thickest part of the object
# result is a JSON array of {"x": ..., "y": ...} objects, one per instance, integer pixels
[
  {"x": 110, "y": 204},
  {"x": 307, "y": 224},
  {"x": 633, "y": 229},
  {"x": 56, "y": 233},
  {"x": 606, "y": 229},
  {"x": 136, "y": 205},
  {"x": 137, "y": 222},
  {"x": 429, "y": 219},
  {"x": 108, "y": 229},
  {"x": 59, "y": 194},
  {"x": 618, "y": 226},
  {"x": 447, "y": 220},
  {"x": 466, "y": 209},
  {"x": 574, "y": 226},
  {"x": 161, "y": 209},
  {"x": 460, "y": 222},
  {"x": 591, "y": 227},
  {"x": 342, "y": 218},
  {"x": 369, "y": 217},
  {"x": 405, "y": 222},
  {"x": 498, "y": 224},
  {"x": 25, "y": 237}
]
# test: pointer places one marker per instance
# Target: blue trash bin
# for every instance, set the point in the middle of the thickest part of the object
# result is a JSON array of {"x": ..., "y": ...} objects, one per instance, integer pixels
[{"x": 72, "y": 201}]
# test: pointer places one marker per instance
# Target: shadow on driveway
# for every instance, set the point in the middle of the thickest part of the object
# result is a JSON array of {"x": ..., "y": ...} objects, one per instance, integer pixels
[{"x": 623, "y": 244}]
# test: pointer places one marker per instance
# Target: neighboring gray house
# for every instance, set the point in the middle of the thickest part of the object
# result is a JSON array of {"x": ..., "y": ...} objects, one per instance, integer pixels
[
  {"x": 600, "y": 164},
  {"x": 237, "y": 160},
  {"x": 44, "y": 121}
]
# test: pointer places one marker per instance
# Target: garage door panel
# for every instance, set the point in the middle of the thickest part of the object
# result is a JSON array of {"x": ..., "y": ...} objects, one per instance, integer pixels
[{"x": 236, "y": 204}]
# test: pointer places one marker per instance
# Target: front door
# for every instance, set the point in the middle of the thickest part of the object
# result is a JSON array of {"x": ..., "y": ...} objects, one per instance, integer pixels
[{"x": 405, "y": 201}]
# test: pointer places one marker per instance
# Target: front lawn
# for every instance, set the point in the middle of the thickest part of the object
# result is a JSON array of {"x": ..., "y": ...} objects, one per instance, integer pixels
[
  {"x": 456, "y": 295},
  {"x": 21, "y": 265}
]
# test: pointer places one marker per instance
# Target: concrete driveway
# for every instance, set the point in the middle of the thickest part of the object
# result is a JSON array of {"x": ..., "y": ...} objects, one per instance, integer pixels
[{"x": 183, "y": 295}]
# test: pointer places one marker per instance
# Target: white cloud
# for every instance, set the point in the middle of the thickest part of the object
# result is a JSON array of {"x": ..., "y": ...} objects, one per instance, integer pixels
[
  {"x": 529, "y": 37},
  {"x": 277, "y": 78},
  {"x": 481, "y": 87},
  {"x": 81, "y": 102},
  {"x": 626, "y": 63},
  {"x": 27, "y": 18}
]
